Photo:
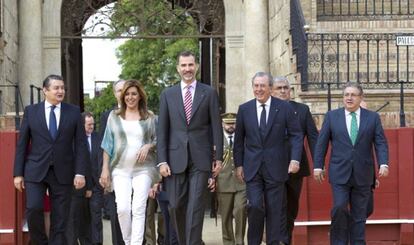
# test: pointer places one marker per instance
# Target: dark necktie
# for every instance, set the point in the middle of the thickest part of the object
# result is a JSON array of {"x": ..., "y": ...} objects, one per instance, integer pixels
[
  {"x": 231, "y": 141},
  {"x": 262, "y": 125},
  {"x": 52, "y": 122}
]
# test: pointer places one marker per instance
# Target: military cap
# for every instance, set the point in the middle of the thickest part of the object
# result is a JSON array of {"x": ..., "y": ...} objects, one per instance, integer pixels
[{"x": 228, "y": 117}]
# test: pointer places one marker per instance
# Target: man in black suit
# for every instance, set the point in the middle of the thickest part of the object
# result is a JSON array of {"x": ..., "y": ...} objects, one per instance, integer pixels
[
  {"x": 354, "y": 133},
  {"x": 79, "y": 227},
  {"x": 109, "y": 198},
  {"x": 282, "y": 90},
  {"x": 96, "y": 199},
  {"x": 261, "y": 161},
  {"x": 51, "y": 154},
  {"x": 189, "y": 133}
]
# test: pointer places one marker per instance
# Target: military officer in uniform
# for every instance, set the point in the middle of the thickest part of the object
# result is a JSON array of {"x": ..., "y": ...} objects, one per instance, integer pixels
[{"x": 231, "y": 193}]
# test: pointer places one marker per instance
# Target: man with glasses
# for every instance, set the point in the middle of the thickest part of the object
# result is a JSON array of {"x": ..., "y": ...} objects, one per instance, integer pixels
[
  {"x": 354, "y": 133},
  {"x": 282, "y": 90}
]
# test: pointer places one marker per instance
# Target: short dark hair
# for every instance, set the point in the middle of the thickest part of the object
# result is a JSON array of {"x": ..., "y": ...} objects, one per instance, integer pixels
[
  {"x": 46, "y": 82},
  {"x": 186, "y": 53},
  {"x": 86, "y": 114},
  {"x": 263, "y": 74},
  {"x": 354, "y": 85}
]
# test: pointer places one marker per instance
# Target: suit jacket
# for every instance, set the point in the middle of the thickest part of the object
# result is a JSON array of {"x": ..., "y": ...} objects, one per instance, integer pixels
[
  {"x": 309, "y": 130},
  {"x": 227, "y": 180},
  {"x": 250, "y": 151},
  {"x": 176, "y": 140},
  {"x": 95, "y": 158},
  {"x": 67, "y": 153},
  {"x": 347, "y": 159}
]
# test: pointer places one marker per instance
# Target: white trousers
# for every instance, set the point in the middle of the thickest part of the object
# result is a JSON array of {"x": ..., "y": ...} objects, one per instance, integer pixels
[{"x": 131, "y": 194}]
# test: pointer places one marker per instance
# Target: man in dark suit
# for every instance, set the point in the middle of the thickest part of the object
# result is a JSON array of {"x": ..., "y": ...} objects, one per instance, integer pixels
[
  {"x": 189, "y": 133},
  {"x": 353, "y": 133},
  {"x": 261, "y": 160},
  {"x": 281, "y": 89},
  {"x": 82, "y": 209},
  {"x": 55, "y": 160},
  {"x": 109, "y": 198},
  {"x": 96, "y": 200}
]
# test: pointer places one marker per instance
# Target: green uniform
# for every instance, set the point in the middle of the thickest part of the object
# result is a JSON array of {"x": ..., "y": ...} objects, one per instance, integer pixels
[{"x": 231, "y": 196}]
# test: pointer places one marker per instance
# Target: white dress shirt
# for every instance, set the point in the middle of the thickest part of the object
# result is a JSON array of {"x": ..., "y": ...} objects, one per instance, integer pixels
[
  {"x": 259, "y": 109},
  {"x": 348, "y": 119},
  {"x": 48, "y": 107}
]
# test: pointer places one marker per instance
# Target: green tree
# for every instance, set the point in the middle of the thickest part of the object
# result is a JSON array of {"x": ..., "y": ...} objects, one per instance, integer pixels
[{"x": 101, "y": 103}]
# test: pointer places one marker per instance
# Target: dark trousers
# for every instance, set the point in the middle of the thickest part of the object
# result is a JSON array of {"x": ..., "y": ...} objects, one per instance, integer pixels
[
  {"x": 265, "y": 198},
  {"x": 293, "y": 190},
  {"x": 79, "y": 223},
  {"x": 96, "y": 204},
  {"x": 186, "y": 204},
  {"x": 110, "y": 204},
  {"x": 349, "y": 225},
  {"x": 60, "y": 196},
  {"x": 170, "y": 236}
]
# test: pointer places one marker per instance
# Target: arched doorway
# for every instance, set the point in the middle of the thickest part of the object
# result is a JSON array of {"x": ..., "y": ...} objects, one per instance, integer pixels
[{"x": 209, "y": 16}]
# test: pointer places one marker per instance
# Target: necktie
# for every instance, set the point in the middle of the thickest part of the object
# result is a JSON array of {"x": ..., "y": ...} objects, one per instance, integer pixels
[
  {"x": 230, "y": 141},
  {"x": 52, "y": 122},
  {"x": 262, "y": 125},
  {"x": 188, "y": 104},
  {"x": 354, "y": 128}
]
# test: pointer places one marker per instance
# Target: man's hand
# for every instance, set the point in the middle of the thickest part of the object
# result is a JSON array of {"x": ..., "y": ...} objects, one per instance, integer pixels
[
  {"x": 383, "y": 171},
  {"x": 19, "y": 183},
  {"x": 79, "y": 182},
  {"x": 240, "y": 174},
  {"x": 217, "y": 165},
  {"x": 212, "y": 184},
  {"x": 143, "y": 152},
  {"x": 293, "y": 167},
  {"x": 165, "y": 170},
  {"x": 319, "y": 175}
]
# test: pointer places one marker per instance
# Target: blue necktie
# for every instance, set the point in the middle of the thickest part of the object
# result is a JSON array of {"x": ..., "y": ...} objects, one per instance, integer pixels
[
  {"x": 262, "y": 125},
  {"x": 52, "y": 122}
]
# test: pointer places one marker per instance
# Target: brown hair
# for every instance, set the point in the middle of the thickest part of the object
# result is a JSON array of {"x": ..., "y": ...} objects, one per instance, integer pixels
[{"x": 142, "y": 103}]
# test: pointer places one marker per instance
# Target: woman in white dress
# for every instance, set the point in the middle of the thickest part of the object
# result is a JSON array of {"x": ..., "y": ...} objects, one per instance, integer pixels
[{"x": 129, "y": 159}]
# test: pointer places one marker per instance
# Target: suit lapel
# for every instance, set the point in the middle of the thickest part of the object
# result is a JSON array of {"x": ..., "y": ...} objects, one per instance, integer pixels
[
  {"x": 199, "y": 95},
  {"x": 41, "y": 112},
  {"x": 62, "y": 120},
  {"x": 363, "y": 121},
  {"x": 178, "y": 97},
  {"x": 342, "y": 124},
  {"x": 273, "y": 110}
]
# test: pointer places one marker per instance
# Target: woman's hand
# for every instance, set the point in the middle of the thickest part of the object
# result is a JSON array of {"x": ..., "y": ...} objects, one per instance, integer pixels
[
  {"x": 143, "y": 152},
  {"x": 104, "y": 180}
]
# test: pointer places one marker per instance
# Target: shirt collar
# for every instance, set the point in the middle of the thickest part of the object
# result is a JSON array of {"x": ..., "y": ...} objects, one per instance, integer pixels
[
  {"x": 357, "y": 112},
  {"x": 184, "y": 85},
  {"x": 267, "y": 103},
  {"x": 48, "y": 105}
]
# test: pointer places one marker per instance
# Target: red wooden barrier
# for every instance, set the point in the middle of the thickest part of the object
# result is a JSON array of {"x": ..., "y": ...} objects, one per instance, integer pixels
[
  {"x": 391, "y": 223},
  {"x": 393, "y": 219}
]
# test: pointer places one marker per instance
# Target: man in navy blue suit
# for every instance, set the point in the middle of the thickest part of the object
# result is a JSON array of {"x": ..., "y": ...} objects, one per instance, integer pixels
[
  {"x": 261, "y": 159},
  {"x": 354, "y": 134},
  {"x": 55, "y": 160},
  {"x": 282, "y": 90}
]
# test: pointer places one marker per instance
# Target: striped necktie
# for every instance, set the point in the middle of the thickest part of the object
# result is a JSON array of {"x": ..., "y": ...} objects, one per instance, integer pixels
[{"x": 188, "y": 103}]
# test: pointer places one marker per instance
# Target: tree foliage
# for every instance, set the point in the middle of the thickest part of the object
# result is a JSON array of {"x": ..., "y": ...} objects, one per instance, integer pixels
[{"x": 101, "y": 103}]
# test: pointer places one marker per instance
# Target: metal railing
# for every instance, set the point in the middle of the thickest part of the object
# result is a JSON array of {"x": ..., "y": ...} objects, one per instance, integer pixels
[
  {"x": 17, "y": 99},
  {"x": 364, "y": 9},
  {"x": 373, "y": 60},
  {"x": 38, "y": 90}
]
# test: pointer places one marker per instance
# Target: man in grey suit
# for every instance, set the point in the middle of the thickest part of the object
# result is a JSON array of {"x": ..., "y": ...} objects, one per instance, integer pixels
[
  {"x": 354, "y": 133},
  {"x": 189, "y": 136}
]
